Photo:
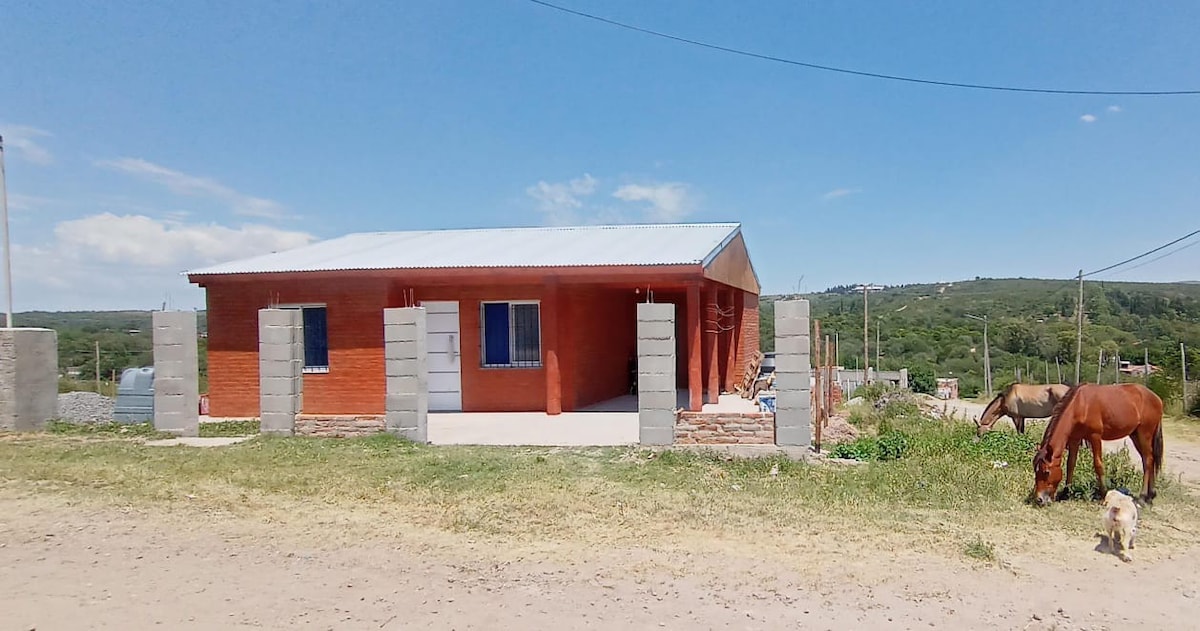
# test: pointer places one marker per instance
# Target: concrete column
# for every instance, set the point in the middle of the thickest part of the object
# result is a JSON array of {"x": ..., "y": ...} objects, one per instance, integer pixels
[
  {"x": 176, "y": 373},
  {"x": 793, "y": 369},
  {"x": 656, "y": 373},
  {"x": 405, "y": 336},
  {"x": 712, "y": 345},
  {"x": 695, "y": 378},
  {"x": 28, "y": 378},
  {"x": 280, "y": 364}
]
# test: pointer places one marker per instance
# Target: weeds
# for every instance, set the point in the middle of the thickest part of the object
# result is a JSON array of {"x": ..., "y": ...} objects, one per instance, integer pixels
[
  {"x": 980, "y": 550},
  {"x": 113, "y": 430},
  {"x": 229, "y": 428}
]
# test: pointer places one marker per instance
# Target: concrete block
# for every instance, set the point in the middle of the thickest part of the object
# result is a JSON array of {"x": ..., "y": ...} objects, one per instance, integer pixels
[
  {"x": 656, "y": 365},
  {"x": 276, "y": 335},
  {"x": 657, "y": 383},
  {"x": 793, "y": 400},
  {"x": 285, "y": 386},
  {"x": 791, "y": 309},
  {"x": 404, "y": 367},
  {"x": 169, "y": 386},
  {"x": 656, "y": 400},
  {"x": 793, "y": 436},
  {"x": 402, "y": 333},
  {"x": 279, "y": 317},
  {"x": 276, "y": 353},
  {"x": 793, "y": 380},
  {"x": 28, "y": 378},
  {"x": 793, "y": 345},
  {"x": 403, "y": 315},
  {"x": 655, "y": 312},
  {"x": 407, "y": 385},
  {"x": 405, "y": 350},
  {"x": 174, "y": 353},
  {"x": 655, "y": 346},
  {"x": 656, "y": 427},
  {"x": 176, "y": 373},
  {"x": 656, "y": 330},
  {"x": 793, "y": 363}
]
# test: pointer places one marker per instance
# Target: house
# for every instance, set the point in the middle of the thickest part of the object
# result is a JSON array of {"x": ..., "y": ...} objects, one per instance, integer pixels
[
  {"x": 947, "y": 388},
  {"x": 518, "y": 319}
]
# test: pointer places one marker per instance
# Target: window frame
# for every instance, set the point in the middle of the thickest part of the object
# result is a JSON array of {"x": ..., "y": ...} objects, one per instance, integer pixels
[
  {"x": 301, "y": 306},
  {"x": 512, "y": 337}
]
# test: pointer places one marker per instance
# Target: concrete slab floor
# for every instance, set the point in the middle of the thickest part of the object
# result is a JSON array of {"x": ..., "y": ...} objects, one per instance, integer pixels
[
  {"x": 725, "y": 403},
  {"x": 569, "y": 429}
]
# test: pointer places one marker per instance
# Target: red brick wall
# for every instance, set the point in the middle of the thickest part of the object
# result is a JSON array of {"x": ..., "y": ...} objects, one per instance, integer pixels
[
  {"x": 597, "y": 338},
  {"x": 725, "y": 428},
  {"x": 749, "y": 341},
  {"x": 355, "y": 383},
  {"x": 597, "y": 334}
]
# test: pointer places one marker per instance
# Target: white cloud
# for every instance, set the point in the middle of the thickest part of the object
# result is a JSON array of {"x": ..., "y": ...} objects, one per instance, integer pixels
[
  {"x": 126, "y": 261},
  {"x": 560, "y": 200},
  {"x": 21, "y": 138},
  {"x": 197, "y": 186},
  {"x": 1115, "y": 109},
  {"x": 29, "y": 202},
  {"x": 669, "y": 201},
  {"x": 1088, "y": 118},
  {"x": 839, "y": 192}
]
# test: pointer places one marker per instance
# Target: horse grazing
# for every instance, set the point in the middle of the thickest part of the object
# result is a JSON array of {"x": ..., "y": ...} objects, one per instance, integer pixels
[
  {"x": 1098, "y": 413},
  {"x": 1019, "y": 402}
]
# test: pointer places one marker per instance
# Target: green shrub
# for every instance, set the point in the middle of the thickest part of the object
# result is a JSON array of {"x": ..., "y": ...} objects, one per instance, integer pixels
[
  {"x": 922, "y": 380},
  {"x": 890, "y": 445}
]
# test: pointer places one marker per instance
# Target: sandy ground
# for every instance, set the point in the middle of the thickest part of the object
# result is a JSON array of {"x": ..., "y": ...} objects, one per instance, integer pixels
[{"x": 71, "y": 565}]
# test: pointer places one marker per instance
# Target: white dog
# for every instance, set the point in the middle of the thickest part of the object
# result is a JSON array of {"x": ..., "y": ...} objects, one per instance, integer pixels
[{"x": 1119, "y": 520}]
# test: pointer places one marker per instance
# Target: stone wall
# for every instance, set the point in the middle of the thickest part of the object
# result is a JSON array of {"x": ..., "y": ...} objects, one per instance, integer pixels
[
  {"x": 28, "y": 378},
  {"x": 339, "y": 426},
  {"x": 725, "y": 428}
]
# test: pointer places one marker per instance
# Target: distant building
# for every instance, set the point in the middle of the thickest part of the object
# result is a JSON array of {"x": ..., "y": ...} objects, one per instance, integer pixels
[
  {"x": 947, "y": 388},
  {"x": 1139, "y": 370}
]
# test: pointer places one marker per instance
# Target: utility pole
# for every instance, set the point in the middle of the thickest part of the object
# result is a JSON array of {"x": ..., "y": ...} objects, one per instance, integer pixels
[
  {"x": 987, "y": 356},
  {"x": 97, "y": 366},
  {"x": 8, "y": 305},
  {"x": 1146, "y": 364},
  {"x": 1047, "y": 371},
  {"x": 1058, "y": 367},
  {"x": 1079, "y": 334},
  {"x": 1117, "y": 369},
  {"x": 1183, "y": 365},
  {"x": 837, "y": 349},
  {"x": 878, "y": 325},
  {"x": 1099, "y": 365},
  {"x": 866, "y": 339}
]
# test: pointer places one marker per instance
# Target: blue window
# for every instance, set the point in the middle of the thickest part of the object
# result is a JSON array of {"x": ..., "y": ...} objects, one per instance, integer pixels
[
  {"x": 316, "y": 340},
  {"x": 511, "y": 334}
]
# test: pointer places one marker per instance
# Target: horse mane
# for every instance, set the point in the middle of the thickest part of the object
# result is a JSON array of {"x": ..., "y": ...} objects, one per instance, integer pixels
[
  {"x": 1059, "y": 408},
  {"x": 991, "y": 406}
]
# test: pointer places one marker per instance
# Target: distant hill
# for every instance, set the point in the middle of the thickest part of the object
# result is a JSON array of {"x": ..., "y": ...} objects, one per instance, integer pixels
[
  {"x": 125, "y": 339},
  {"x": 1031, "y": 323}
]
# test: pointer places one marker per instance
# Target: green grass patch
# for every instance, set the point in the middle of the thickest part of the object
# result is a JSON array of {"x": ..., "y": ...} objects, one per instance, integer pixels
[
  {"x": 110, "y": 430},
  {"x": 980, "y": 550},
  {"x": 936, "y": 482},
  {"x": 228, "y": 428}
]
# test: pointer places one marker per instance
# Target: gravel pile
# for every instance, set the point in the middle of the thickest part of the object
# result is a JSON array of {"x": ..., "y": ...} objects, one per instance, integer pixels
[{"x": 85, "y": 407}]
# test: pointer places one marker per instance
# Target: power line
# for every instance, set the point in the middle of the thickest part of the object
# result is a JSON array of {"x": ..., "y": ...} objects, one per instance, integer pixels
[
  {"x": 1144, "y": 254},
  {"x": 860, "y": 73},
  {"x": 1159, "y": 258}
]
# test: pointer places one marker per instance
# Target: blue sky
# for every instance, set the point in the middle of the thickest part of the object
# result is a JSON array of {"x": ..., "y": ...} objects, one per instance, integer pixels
[{"x": 146, "y": 138}]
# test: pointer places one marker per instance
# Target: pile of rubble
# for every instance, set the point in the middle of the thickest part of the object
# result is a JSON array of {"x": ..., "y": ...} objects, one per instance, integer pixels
[{"x": 85, "y": 407}]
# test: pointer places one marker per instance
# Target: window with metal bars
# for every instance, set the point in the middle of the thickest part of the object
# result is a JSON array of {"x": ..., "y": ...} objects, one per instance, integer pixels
[{"x": 511, "y": 334}]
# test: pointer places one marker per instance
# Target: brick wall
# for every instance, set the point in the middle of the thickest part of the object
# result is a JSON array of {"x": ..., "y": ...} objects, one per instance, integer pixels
[
  {"x": 749, "y": 341},
  {"x": 725, "y": 428},
  {"x": 597, "y": 338},
  {"x": 338, "y": 426}
]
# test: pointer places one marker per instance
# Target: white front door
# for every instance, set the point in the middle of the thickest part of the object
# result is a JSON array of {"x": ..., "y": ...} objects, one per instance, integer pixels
[{"x": 443, "y": 355}]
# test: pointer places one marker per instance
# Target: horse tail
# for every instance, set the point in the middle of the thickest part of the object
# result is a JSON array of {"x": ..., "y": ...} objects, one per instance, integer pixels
[{"x": 1157, "y": 449}]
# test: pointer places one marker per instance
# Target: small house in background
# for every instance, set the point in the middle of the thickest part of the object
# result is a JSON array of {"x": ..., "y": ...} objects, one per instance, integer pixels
[
  {"x": 1138, "y": 370},
  {"x": 947, "y": 388},
  {"x": 519, "y": 319}
]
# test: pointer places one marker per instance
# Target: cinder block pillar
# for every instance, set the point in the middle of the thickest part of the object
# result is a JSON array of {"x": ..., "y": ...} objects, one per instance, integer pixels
[
  {"x": 793, "y": 369},
  {"x": 176, "y": 373},
  {"x": 404, "y": 342},
  {"x": 280, "y": 363},
  {"x": 28, "y": 378},
  {"x": 656, "y": 373}
]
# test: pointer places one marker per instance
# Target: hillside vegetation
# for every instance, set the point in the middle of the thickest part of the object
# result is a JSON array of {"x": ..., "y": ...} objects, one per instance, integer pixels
[{"x": 1032, "y": 323}]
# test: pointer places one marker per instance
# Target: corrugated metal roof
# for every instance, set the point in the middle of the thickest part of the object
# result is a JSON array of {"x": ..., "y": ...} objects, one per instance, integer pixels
[{"x": 583, "y": 246}]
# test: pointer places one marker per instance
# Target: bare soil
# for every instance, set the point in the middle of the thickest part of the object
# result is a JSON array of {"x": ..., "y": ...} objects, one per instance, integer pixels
[{"x": 72, "y": 562}]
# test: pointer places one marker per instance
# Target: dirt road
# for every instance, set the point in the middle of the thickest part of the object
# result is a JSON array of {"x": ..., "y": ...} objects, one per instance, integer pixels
[{"x": 93, "y": 567}]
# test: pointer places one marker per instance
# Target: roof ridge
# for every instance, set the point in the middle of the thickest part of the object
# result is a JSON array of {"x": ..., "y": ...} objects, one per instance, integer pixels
[{"x": 615, "y": 226}]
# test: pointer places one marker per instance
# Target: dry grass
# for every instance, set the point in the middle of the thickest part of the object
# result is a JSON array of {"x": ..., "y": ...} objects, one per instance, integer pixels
[{"x": 944, "y": 495}]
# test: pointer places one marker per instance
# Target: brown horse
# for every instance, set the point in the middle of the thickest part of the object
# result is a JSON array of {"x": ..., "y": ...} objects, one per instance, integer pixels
[
  {"x": 1019, "y": 402},
  {"x": 1098, "y": 413}
]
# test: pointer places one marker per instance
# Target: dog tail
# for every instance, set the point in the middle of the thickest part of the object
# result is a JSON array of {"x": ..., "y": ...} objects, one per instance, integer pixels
[{"x": 1157, "y": 450}]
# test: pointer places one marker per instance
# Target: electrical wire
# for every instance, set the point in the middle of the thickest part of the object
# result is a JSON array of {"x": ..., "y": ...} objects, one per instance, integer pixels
[
  {"x": 1159, "y": 258},
  {"x": 859, "y": 73},
  {"x": 1143, "y": 254}
]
